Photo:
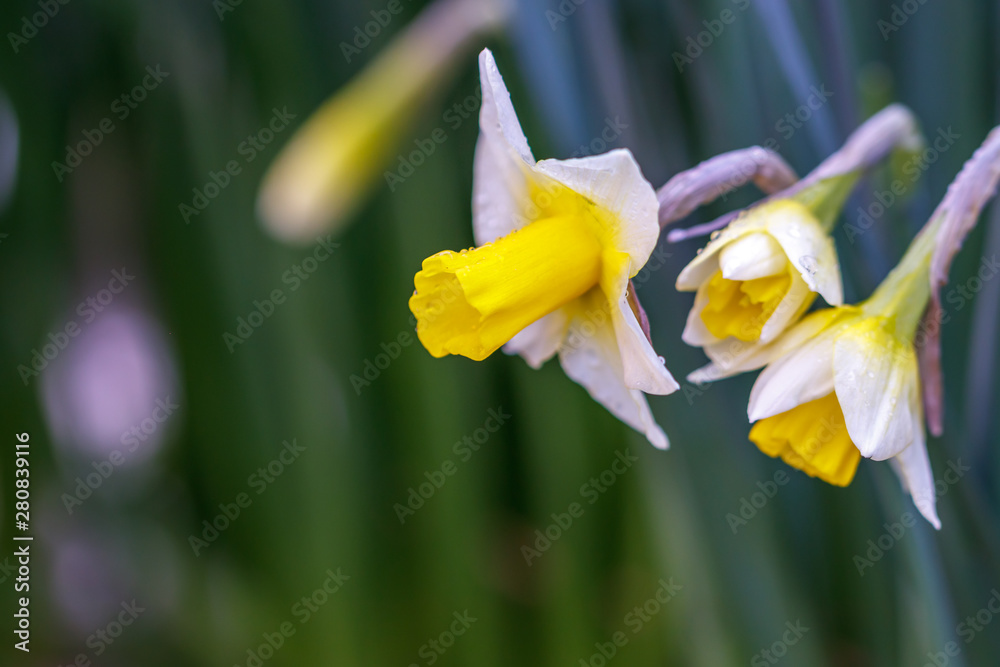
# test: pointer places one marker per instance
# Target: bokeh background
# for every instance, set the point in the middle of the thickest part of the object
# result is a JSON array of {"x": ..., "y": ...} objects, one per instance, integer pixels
[{"x": 361, "y": 448}]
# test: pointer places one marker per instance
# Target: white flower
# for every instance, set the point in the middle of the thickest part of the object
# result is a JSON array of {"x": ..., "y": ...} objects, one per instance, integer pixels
[
  {"x": 758, "y": 276},
  {"x": 844, "y": 384},
  {"x": 755, "y": 278}
]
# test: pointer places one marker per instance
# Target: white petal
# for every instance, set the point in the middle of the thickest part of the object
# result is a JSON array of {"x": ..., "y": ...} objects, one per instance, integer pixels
[
  {"x": 914, "y": 470},
  {"x": 590, "y": 357},
  {"x": 788, "y": 311},
  {"x": 614, "y": 182},
  {"x": 756, "y": 255},
  {"x": 809, "y": 249},
  {"x": 732, "y": 356},
  {"x": 695, "y": 332},
  {"x": 878, "y": 388},
  {"x": 706, "y": 262},
  {"x": 643, "y": 368},
  {"x": 538, "y": 341},
  {"x": 802, "y": 375},
  {"x": 503, "y": 162},
  {"x": 711, "y": 372}
]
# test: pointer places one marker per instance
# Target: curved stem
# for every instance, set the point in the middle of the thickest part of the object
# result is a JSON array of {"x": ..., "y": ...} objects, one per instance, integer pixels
[
  {"x": 894, "y": 127},
  {"x": 957, "y": 215},
  {"x": 722, "y": 174}
]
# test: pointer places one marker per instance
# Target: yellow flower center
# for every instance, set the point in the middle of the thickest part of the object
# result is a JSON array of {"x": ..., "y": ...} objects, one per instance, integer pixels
[
  {"x": 812, "y": 437},
  {"x": 472, "y": 302},
  {"x": 740, "y": 308}
]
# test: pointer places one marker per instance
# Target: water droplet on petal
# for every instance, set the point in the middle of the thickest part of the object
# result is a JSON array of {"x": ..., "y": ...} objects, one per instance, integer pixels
[
  {"x": 795, "y": 232},
  {"x": 714, "y": 235},
  {"x": 809, "y": 264}
]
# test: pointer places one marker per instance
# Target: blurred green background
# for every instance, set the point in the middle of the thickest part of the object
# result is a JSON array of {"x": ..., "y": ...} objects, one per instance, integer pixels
[{"x": 361, "y": 448}]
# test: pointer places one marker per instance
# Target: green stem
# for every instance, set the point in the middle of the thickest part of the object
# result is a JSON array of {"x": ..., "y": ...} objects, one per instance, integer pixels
[
  {"x": 904, "y": 293},
  {"x": 826, "y": 198},
  {"x": 826, "y": 187}
]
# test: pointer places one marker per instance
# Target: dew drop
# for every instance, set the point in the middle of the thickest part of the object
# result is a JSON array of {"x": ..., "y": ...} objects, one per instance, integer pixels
[
  {"x": 795, "y": 232},
  {"x": 714, "y": 235},
  {"x": 809, "y": 264}
]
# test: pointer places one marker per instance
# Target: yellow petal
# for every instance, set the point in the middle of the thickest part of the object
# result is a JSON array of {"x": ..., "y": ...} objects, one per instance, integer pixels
[
  {"x": 472, "y": 302},
  {"x": 813, "y": 438},
  {"x": 740, "y": 308},
  {"x": 623, "y": 200}
]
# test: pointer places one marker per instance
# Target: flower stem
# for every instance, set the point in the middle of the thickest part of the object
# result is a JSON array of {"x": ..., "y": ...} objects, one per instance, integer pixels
[{"x": 904, "y": 293}]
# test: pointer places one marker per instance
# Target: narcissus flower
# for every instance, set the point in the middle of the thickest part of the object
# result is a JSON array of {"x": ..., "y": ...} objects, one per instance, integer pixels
[
  {"x": 319, "y": 178},
  {"x": 758, "y": 275},
  {"x": 557, "y": 244},
  {"x": 762, "y": 272},
  {"x": 844, "y": 384}
]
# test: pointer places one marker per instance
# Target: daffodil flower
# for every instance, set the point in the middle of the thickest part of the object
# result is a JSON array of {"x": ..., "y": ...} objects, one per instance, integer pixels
[
  {"x": 759, "y": 275},
  {"x": 763, "y": 271},
  {"x": 844, "y": 383},
  {"x": 331, "y": 162},
  {"x": 557, "y": 244}
]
